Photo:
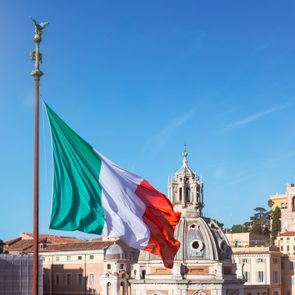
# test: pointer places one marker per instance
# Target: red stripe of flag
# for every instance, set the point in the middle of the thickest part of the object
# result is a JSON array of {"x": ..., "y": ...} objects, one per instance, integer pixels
[{"x": 161, "y": 220}]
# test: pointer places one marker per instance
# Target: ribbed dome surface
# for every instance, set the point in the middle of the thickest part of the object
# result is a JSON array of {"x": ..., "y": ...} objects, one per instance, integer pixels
[{"x": 185, "y": 171}]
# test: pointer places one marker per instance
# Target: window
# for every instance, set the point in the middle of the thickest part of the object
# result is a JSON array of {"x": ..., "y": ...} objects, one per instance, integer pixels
[
  {"x": 275, "y": 260},
  {"x": 245, "y": 260},
  {"x": 68, "y": 279},
  {"x": 108, "y": 288},
  {"x": 143, "y": 274},
  {"x": 246, "y": 276},
  {"x": 57, "y": 258},
  {"x": 109, "y": 266},
  {"x": 275, "y": 277},
  {"x": 91, "y": 257},
  {"x": 79, "y": 279},
  {"x": 282, "y": 248},
  {"x": 68, "y": 258},
  {"x": 187, "y": 194},
  {"x": 79, "y": 257},
  {"x": 260, "y": 276},
  {"x": 237, "y": 243},
  {"x": 121, "y": 266},
  {"x": 56, "y": 279},
  {"x": 288, "y": 248},
  {"x": 91, "y": 279},
  {"x": 180, "y": 194},
  {"x": 260, "y": 260}
]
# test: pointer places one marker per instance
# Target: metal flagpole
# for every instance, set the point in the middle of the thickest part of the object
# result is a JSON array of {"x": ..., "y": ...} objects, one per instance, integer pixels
[{"x": 36, "y": 73}]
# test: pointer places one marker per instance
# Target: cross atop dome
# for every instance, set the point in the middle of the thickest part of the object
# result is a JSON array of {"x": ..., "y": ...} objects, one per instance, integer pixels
[{"x": 184, "y": 154}]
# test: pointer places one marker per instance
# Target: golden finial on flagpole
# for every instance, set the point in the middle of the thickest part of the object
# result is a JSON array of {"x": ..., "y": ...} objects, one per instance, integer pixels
[{"x": 36, "y": 55}]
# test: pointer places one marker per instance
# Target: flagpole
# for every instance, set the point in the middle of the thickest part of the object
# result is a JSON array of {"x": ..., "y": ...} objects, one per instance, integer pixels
[{"x": 36, "y": 73}]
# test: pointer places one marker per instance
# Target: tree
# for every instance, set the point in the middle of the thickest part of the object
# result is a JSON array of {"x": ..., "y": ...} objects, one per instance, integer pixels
[
  {"x": 220, "y": 224},
  {"x": 260, "y": 221},
  {"x": 276, "y": 223},
  {"x": 270, "y": 203},
  {"x": 236, "y": 228}
]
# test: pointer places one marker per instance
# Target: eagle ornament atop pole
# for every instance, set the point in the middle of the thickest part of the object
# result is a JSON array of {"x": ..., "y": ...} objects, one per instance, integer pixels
[
  {"x": 36, "y": 73},
  {"x": 36, "y": 55}
]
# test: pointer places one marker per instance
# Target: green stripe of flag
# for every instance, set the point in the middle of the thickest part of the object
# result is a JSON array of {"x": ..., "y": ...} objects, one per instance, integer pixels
[{"x": 76, "y": 203}]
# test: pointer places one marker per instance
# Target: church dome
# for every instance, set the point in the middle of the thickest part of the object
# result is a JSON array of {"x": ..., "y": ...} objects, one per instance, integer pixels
[
  {"x": 200, "y": 238},
  {"x": 114, "y": 252}
]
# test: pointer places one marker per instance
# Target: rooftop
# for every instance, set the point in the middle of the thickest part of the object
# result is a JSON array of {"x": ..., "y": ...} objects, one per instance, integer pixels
[
  {"x": 52, "y": 243},
  {"x": 287, "y": 234}
]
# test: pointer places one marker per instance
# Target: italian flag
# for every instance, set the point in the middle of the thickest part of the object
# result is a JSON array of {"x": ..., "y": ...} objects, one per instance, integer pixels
[{"x": 93, "y": 195}]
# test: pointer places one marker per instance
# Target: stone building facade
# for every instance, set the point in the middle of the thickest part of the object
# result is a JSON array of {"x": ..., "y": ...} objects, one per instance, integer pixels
[
  {"x": 288, "y": 213},
  {"x": 286, "y": 243},
  {"x": 261, "y": 269}
]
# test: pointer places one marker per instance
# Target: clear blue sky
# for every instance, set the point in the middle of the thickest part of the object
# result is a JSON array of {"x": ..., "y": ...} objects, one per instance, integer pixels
[{"x": 137, "y": 80}]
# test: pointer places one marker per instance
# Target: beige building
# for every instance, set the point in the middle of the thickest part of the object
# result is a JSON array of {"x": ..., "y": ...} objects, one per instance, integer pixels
[
  {"x": 286, "y": 243},
  {"x": 261, "y": 269},
  {"x": 245, "y": 239},
  {"x": 278, "y": 200},
  {"x": 73, "y": 266}
]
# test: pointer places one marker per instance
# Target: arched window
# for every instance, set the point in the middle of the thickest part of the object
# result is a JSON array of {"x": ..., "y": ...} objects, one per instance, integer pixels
[
  {"x": 109, "y": 291},
  {"x": 187, "y": 194},
  {"x": 143, "y": 274}
]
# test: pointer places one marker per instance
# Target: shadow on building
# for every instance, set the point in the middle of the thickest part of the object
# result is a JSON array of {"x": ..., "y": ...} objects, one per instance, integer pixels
[{"x": 59, "y": 280}]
